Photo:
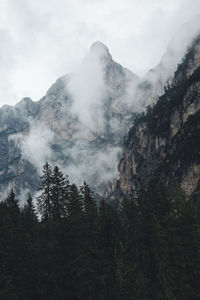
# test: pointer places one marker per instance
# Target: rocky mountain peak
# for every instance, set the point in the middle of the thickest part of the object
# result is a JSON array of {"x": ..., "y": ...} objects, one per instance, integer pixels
[
  {"x": 101, "y": 51},
  {"x": 79, "y": 124}
]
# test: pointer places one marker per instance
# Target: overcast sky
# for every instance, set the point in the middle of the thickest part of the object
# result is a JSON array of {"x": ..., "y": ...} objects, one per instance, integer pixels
[{"x": 41, "y": 40}]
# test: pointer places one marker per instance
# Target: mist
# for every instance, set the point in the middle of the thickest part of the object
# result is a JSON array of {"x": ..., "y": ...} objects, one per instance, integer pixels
[
  {"x": 41, "y": 41},
  {"x": 103, "y": 98},
  {"x": 99, "y": 101},
  {"x": 88, "y": 89},
  {"x": 35, "y": 145}
]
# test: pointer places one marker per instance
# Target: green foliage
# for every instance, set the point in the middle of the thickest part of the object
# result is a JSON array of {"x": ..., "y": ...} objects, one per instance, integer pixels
[
  {"x": 148, "y": 249},
  {"x": 159, "y": 250},
  {"x": 44, "y": 200}
]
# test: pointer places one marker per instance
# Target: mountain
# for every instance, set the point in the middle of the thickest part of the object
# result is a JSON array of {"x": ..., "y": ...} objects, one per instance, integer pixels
[
  {"x": 161, "y": 75},
  {"x": 164, "y": 142},
  {"x": 79, "y": 125}
]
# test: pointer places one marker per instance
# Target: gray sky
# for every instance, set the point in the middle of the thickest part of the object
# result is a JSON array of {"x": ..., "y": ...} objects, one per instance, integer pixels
[{"x": 41, "y": 40}]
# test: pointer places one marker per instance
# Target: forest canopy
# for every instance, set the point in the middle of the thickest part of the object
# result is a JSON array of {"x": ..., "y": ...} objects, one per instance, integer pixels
[{"x": 68, "y": 246}]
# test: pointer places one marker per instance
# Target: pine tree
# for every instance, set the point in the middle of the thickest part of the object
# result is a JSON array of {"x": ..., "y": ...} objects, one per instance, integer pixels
[
  {"x": 154, "y": 207},
  {"x": 184, "y": 245},
  {"x": 29, "y": 214},
  {"x": 91, "y": 234},
  {"x": 74, "y": 205},
  {"x": 13, "y": 205},
  {"x": 90, "y": 211},
  {"x": 128, "y": 263},
  {"x": 59, "y": 194},
  {"x": 109, "y": 239},
  {"x": 16, "y": 242},
  {"x": 11, "y": 201},
  {"x": 75, "y": 244},
  {"x": 44, "y": 200},
  {"x": 29, "y": 207}
]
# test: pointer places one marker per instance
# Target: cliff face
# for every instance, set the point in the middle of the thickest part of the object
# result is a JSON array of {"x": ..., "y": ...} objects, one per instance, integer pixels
[
  {"x": 81, "y": 122},
  {"x": 164, "y": 142},
  {"x": 52, "y": 129}
]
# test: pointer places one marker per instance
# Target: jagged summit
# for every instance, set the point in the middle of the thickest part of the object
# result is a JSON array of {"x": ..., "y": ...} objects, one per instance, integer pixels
[
  {"x": 24, "y": 101},
  {"x": 79, "y": 124},
  {"x": 100, "y": 49}
]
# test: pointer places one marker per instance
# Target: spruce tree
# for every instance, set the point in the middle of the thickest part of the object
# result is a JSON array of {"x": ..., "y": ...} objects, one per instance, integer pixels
[
  {"x": 154, "y": 207},
  {"x": 75, "y": 263},
  {"x": 29, "y": 207},
  {"x": 29, "y": 214},
  {"x": 12, "y": 203},
  {"x": 60, "y": 190},
  {"x": 91, "y": 234},
  {"x": 90, "y": 212},
  {"x": 45, "y": 189},
  {"x": 109, "y": 239}
]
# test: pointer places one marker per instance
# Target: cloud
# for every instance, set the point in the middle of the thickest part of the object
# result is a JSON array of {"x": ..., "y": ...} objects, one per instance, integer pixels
[
  {"x": 96, "y": 167},
  {"x": 41, "y": 40},
  {"x": 88, "y": 90},
  {"x": 36, "y": 144}
]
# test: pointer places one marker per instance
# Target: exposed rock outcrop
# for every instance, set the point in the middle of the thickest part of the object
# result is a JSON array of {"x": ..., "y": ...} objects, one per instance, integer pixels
[
  {"x": 164, "y": 142},
  {"x": 50, "y": 129},
  {"x": 57, "y": 130}
]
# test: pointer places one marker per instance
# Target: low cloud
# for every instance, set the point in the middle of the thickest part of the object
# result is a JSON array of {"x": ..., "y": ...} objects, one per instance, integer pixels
[
  {"x": 96, "y": 167},
  {"x": 87, "y": 88},
  {"x": 36, "y": 145},
  {"x": 100, "y": 103},
  {"x": 41, "y": 40}
]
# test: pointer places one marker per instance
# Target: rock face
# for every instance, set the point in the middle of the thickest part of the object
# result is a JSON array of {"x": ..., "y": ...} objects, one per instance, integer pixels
[
  {"x": 164, "y": 142},
  {"x": 54, "y": 129},
  {"x": 81, "y": 122}
]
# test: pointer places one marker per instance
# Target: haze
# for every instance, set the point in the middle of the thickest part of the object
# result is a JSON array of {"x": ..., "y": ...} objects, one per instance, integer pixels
[{"x": 42, "y": 40}]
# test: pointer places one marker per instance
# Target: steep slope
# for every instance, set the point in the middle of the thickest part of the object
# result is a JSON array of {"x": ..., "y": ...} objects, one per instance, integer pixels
[
  {"x": 57, "y": 130},
  {"x": 80, "y": 124},
  {"x": 156, "y": 79},
  {"x": 164, "y": 142}
]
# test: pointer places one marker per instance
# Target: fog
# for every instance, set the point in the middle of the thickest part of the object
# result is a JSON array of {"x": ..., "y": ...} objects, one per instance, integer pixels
[
  {"x": 42, "y": 40},
  {"x": 103, "y": 95},
  {"x": 87, "y": 87}
]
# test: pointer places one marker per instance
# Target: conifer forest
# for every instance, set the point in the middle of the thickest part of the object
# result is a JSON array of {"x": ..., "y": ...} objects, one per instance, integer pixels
[{"x": 65, "y": 245}]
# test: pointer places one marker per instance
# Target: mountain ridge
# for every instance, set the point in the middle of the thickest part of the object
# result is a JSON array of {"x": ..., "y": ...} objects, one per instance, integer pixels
[
  {"x": 159, "y": 143},
  {"x": 57, "y": 130}
]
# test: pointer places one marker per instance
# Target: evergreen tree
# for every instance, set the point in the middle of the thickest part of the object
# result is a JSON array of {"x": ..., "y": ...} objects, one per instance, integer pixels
[
  {"x": 29, "y": 208},
  {"x": 13, "y": 204},
  {"x": 44, "y": 200},
  {"x": 184, "y": 245},
  {"x": 109, "y": 239},
  {"x": 14, "y": 264},
  {"x": 128, "y": 264},
  {"x": 77, "y": 251},
  {"x": 154, "y": 208},
  {"x": 59, "y": 194},
  {"x": 90, "y": 212},
  {"x": 29, "y": 215},
  {"x": 75, "y": 264},
  {"x": 91, "y": 251}
]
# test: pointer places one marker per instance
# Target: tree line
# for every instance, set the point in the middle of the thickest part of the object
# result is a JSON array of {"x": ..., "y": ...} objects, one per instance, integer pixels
[{"x": 67, "y": 246}]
